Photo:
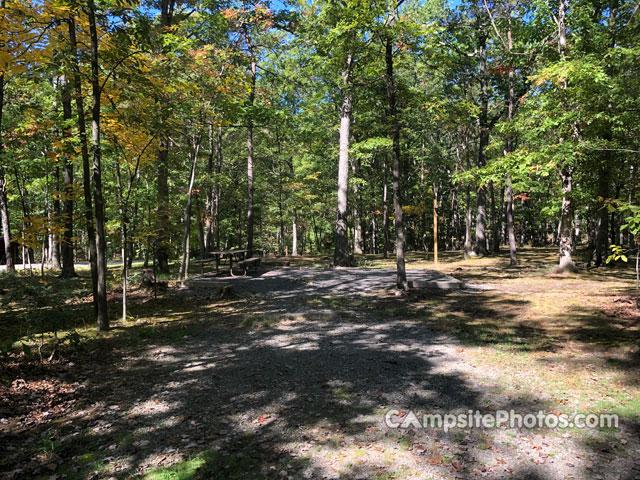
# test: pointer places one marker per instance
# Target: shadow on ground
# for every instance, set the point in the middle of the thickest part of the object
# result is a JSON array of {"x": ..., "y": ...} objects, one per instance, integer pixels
[{"x": 195, "y": 395}]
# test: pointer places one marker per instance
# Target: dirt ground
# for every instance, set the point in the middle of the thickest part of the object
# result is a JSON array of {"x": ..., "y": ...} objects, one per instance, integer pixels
[{"x": 293, "y": 376}]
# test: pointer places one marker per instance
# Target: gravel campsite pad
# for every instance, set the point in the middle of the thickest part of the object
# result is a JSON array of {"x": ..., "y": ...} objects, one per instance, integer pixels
[{"x": 295, "y": 382}]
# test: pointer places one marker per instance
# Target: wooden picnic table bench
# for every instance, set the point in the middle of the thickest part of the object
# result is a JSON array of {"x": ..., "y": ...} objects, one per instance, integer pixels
[
  {"x": 240, "y": 254},
  {"x": 201, "y": 262},
  {"x": 253, "y": 262}
]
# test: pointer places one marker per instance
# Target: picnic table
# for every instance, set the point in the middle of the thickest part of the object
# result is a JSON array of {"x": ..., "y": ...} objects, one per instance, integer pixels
[{"x": 242, "y": 257}]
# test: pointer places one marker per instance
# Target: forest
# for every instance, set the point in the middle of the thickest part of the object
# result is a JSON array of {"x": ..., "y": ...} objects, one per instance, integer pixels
[{"x": 470, "y": 165}]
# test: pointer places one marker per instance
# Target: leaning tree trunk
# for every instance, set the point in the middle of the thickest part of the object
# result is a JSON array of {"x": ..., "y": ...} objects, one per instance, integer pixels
[
  {"x": 341, "y": 248},
  {"x": 101, "y": 245},
  {"x": 184, "y": 265},
  {"x": 401, "y": 274}
]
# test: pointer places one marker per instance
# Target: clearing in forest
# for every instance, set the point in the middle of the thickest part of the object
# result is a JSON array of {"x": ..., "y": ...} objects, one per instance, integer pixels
[{"x": 292, "y": 376}]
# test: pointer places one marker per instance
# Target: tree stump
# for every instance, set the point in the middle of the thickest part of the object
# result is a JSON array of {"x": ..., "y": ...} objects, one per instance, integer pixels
[{"x": 227, "y": 292}]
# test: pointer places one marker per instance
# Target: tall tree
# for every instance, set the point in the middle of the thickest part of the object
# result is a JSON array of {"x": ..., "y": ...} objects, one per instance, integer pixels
[
  {"x": 102, "y": 313},
  {"x": 401, "y": 274},
  {"x": 4, "y": 208},
  {"x": 68, "y": 268}
]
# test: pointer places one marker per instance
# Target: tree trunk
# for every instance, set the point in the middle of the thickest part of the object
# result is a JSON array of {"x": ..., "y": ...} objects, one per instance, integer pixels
[
  {"x": 184, "y": 265},
  {"x": 6, "y": 226},
  {"x": 214, "y": 169},
  {"x": 467, "y": 199},
  {"x": 599, "y": 253},
  {"x": 210, "y": 200},
  {"x": 84, "y": 153},
  {"x": 162, "y": 220},
  {"x": 4, "y": 208},
  {"x": 315, "y": 234},
  {"x": 496, "y": 212},
  {"x": 101, "y": 245},
  {"x": 513, "y": 260},
  {"x": 401, "y": 274},
  {"x": 68, "y": 269},
  {"x": 163, "y": 230},
  {"x": 25, "y": 213},
  {"x": 385, "y": 211},
  {"x": 483, "y": 141},
  {"x": 435, "y": 224},
  {"x": 123, "y": 240},
  {"x": 565, "y": 262},
  {"x": 294, "y": 223},
  {"x": 250, "y": 179},
  {"x": 201, "y": 231},
  {"x": 54, "y": 239},
  {"x": 134, "y": 224},
  {"x": 564, "y": 234},
  {"x": 341, "y": 248},
  {"x": 355, "y": 209},
  {"x": 294, "y": 234}
]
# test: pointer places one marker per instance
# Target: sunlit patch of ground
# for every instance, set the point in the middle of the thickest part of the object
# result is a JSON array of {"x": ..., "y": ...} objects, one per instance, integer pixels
[{"x": 193, "y": 386}]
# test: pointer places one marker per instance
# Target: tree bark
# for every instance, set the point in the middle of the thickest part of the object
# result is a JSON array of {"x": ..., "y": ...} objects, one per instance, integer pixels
[
  {"x": 84, "y": 153},
  {"x": 564, "y": 236},
  {"x": 162, "y": 220},
  {"x": 435, "y": 224},
  {"x": 294, "y": 234},
  {"x": 250, "y": 160},
  {"x": 467, "y": 199},
  {"x": 4, "y": 208},
  {"x": 565, "y": 262},
  {"x": 401, "y": 274},
  {"x": 599, "y": 253},
  {"x": 68, "y": 268},
  {"x": 385, "y": 210},
  {"x": 341, "y": 248},
  {"x": 163, "y": 230},
  {"x": 294, "y": 223},
  {"x": 184, "y": 265},
  {"x": 123, "y": 239},
  {"x": 355, "y": 210},
  {"x": 483, "y": 141},
  {"x": 495, "y": 220},
  {"x": 101, "y": 245},
  {"x": 513, "y": 258}
]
